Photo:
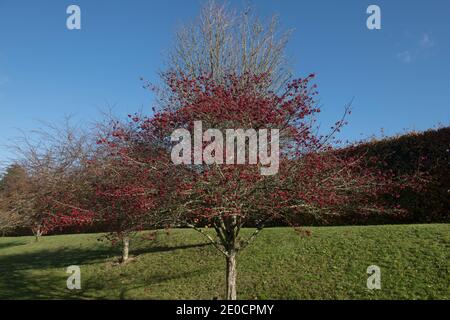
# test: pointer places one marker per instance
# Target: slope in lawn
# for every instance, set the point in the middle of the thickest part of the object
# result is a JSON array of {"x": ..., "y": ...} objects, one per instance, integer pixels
[{"x": 280, "y": 264}]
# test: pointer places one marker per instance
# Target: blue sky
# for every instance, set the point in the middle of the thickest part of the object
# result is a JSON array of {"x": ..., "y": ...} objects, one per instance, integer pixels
[{"x": 398, "y": 76}]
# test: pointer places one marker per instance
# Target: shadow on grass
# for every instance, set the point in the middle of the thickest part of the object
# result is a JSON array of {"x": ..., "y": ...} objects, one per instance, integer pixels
[
  {"x": 12, "y": 244},
  {"x": 32, "y": 275},
  {"x": 123, "y": 291},
  {"x": 140, "y": 251}
]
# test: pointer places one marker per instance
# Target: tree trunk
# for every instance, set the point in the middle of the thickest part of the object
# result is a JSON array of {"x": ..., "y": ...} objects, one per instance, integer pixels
[
  {"x": 125, "y": 248},
  {"x": 37, "y": 234},
  {"x": 231, "y": 276}
]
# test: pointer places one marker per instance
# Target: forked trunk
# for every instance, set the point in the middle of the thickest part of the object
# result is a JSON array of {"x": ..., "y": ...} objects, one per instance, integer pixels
[
  {"x": 37, "y": 233},
  {"x": 231, "y": 276},
  {"x": 125, "y": 248}
]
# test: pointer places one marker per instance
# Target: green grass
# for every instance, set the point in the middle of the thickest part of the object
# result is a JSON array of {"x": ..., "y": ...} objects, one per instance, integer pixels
[{"x": 280, "y": 264}]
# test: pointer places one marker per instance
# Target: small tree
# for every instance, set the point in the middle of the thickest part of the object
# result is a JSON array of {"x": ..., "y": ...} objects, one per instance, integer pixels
[
  {"x": 23, "y": 200},
  {"x": 124, "y": 187},
  {"x": 52, "y": 159}
]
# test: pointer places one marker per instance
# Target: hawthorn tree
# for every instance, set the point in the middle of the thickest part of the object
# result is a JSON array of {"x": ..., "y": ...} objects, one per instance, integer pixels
[
  {"x": 132, "y": 184},
  {"x": 124, "y": 187},
  {"x": 229, "y": 71},
  {"x": 116, "y": 178},
  {"x": 312, "y": 177}
]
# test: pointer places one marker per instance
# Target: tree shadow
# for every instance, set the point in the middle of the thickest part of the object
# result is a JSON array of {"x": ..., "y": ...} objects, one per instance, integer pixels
[
  {"x": 32, "y": 276},
  {"x": 152, "y": 249},
  {"x": 123, "y": 291},
  {"x": 12, "y": 244}
]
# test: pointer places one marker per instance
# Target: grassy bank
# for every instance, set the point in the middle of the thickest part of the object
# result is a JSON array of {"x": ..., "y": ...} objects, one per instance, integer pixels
[{"x": 280, "y": 264}]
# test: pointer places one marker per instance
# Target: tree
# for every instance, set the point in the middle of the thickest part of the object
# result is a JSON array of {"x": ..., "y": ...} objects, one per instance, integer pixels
[
  {"x": 229, "y": 71},
  {"x": 13, "y": 184},
  {"x": 21, "y": 201},
  {"x": 312, "y": 178},
  {"x": 132, "y": 181},
  {"x": 124, "y": 187},
  {"x": 53, "y": 160},
  {"x": 9, "y": 221}
]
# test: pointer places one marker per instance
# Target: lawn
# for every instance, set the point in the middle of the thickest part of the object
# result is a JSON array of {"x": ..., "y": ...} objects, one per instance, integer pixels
[{"x": 280, "y": 264}]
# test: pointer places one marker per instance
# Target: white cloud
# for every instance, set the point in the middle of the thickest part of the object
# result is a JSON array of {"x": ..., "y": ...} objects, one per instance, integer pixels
[
  {"x": 426, "y": 41},
  {"x": 405, "y": 56},
  {"x": 419, "y": 48}
]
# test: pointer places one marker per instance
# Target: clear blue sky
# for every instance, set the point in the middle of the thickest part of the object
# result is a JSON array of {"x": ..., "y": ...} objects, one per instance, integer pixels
[{"x": 398, "y": 75}]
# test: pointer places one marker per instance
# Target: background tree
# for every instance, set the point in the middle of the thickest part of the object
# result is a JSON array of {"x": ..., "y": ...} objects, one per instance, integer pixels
[
  {"x": 52, "y": 159},
  {"x": 13, "y": 184},
  {"x": 76, "y": 178},
  {"x": 125, "y": 184},
  {"x": 23, "y": 201},
  {"x": 132, "y": 181}
]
